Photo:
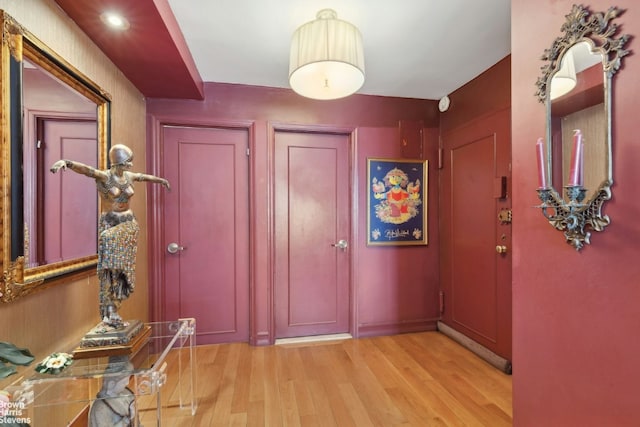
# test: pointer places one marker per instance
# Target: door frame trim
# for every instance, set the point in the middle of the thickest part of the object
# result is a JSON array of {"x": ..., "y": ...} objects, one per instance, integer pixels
[{"x": 350, "y": 133}]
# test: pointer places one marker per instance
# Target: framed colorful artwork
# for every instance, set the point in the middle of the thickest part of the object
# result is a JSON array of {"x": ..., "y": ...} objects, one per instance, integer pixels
[{"x": 396, "y": 202}]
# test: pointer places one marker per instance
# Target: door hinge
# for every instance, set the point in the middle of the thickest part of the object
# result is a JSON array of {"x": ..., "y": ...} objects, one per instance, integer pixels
[
  {"x": 440, "y": 158},
  {"x": 38, "y": 144},
  {"x": 248, "y": 152},
  {"x": 441, "y": 303}
]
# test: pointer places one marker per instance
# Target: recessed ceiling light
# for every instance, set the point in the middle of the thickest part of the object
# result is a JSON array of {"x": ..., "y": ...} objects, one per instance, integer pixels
[{"x": 114, "y": 20}]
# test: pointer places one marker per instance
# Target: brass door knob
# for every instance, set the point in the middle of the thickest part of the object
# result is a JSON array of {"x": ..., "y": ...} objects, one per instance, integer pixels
[{"x": 501, "y": 249}]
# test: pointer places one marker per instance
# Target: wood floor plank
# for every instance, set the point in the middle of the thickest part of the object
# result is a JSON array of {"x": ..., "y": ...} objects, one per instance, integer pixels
[
  {"x": 457, "y": 394},
  {"x": 255, "y": 414},
  {"x": 469, "y": 382},
  {"x": 331, "y": 378},
  {"x": 273, "y": 400},
  {"x": 421, "y": 410},
  {"x": 417, "y": 379},
  {"x": 241, "y": 386},
  {"x": 382, "y": 409},
  {"x": 356, "y": 407}
]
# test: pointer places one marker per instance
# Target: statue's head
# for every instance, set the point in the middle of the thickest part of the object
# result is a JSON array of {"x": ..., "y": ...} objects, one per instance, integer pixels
[{"x": 120, "y": 154}]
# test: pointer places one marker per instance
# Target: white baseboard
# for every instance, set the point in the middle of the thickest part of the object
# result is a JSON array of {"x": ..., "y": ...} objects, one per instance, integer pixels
[{"x": 313, "y": 338}]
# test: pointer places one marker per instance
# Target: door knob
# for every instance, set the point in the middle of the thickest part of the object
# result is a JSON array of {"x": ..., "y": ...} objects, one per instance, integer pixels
[
  {"x": 501, "y": 249},
  {"x": 342, "y": 244},
  {"x": 174, "y": 247}
]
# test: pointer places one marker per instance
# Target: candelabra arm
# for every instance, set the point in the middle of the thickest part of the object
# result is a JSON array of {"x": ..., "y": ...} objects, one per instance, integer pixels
[{"x": 574, "y": 218}]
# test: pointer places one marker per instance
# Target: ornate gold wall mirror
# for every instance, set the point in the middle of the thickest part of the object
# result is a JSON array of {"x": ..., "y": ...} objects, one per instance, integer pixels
[
  {"x": 49, "y": 110},
  {"x": 575, "y": 87}
]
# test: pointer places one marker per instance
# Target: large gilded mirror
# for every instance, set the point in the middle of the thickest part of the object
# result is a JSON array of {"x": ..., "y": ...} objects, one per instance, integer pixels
[
  {"x": 576, "y": 89},
  {"x": 50, "y": 110}
]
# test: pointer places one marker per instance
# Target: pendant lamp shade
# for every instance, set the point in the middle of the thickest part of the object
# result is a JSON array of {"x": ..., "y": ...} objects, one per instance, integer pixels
[
  {"x": 564, "y": 80},
  {"x": 327, "y": 58}
]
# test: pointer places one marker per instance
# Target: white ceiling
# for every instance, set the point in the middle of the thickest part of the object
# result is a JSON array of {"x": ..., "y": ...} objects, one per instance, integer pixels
[{"x": 413, "y": 48}]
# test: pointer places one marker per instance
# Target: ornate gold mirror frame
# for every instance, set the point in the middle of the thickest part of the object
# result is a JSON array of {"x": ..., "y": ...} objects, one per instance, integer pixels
[
  {"x": 572, "y": 214},
  {"x": 18, "y": 43}
]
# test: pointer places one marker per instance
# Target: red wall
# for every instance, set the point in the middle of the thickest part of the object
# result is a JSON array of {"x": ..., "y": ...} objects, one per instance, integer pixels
[
  {"x": 575, "y": 314},
  {"x": 487, "y": 93},
  {"x": 395, "y": 288}
]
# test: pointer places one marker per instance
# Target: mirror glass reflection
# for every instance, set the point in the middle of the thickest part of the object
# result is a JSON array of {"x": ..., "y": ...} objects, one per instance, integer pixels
[
  {"x": 576, "y": 100},
  {"x": 60, "y": 210}
]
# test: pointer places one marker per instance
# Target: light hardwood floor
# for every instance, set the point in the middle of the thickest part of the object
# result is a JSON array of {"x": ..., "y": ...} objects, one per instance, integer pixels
[{"x": 419, "y": 379}]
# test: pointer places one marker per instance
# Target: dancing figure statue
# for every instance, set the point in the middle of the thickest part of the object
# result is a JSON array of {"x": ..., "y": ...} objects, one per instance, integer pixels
[{"x": 117, "y": 230}]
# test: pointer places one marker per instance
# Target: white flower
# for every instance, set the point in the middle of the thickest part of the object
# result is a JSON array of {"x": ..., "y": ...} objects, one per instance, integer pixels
[{"x": 56, "y": 362}]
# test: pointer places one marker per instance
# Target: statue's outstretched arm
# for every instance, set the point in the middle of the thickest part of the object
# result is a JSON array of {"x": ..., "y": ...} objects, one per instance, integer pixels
[
  {"x": 151, "y": 178},
  {"x": 77, "y": 167}
]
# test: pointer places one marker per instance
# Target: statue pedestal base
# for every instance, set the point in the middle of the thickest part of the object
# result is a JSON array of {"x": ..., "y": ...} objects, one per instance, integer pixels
[{"x": 104, "y": 340}]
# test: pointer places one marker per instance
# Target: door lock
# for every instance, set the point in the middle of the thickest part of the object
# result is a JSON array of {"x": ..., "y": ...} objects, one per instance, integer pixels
[{"x": 505, "y": 216}]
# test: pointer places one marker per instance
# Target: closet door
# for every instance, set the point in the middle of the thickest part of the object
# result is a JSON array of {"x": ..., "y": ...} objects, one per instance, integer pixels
[
  {"x": 311, "y": 218},
  {"x": 206, "y": 218}
]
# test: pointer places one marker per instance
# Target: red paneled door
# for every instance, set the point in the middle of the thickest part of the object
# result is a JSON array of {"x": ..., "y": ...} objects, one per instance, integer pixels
[
  {"x": 476, "y": 238},
  {"x": 206, "y": 220},
  {"x": 311, "y": 219}
]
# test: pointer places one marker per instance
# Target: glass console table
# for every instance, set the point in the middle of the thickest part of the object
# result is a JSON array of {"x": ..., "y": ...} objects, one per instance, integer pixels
[{"x": 161, "y": 374}]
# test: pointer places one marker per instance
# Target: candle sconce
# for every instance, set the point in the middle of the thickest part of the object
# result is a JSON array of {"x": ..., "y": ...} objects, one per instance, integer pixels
[
  {"x": 580, "y": 99},
  {"x": 572, "y": 216}
]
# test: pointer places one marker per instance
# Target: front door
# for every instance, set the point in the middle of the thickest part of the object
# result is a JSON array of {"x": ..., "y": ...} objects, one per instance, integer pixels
[
  {"x": 476, "y": 232},
  {"x": 206, "y": 231},
  {"x": 311, "y": 234}
]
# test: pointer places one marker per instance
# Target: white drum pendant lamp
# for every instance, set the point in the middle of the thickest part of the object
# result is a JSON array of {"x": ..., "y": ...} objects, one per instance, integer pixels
[
  {"x": 327, "y": 58},
  {"x": 564, "y": 80}
]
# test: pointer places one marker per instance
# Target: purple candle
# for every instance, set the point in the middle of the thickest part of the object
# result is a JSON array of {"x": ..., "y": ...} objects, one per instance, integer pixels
[
  {"x": 577, "y": 159},
  {"x": 542, "y": 175}
]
